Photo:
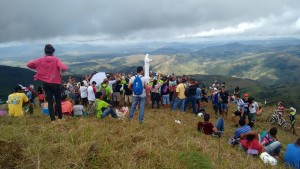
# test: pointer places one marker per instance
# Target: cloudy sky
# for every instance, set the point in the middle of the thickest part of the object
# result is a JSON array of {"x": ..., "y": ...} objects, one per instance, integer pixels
[{"x": 138, "y": 20}]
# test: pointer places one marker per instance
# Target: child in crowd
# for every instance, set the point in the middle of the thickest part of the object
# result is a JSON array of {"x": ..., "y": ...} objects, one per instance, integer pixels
[
  {"x": 66, "y": 106},
  {"x": 78, "y": 109},
  {"x": 41, "y": 95},
  {"x": 103, "y": 109}
]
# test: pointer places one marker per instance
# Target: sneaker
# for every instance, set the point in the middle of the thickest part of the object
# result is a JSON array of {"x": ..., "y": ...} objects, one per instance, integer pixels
[{"x": 216, "y": 134}]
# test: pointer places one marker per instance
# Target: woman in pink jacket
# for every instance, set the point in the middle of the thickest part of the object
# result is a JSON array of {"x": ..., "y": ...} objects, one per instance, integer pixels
[{"x": 48, "y": 70}]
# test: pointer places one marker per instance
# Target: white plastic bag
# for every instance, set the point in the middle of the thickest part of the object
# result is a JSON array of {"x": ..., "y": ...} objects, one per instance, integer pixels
[{"x": 268, "y": 159}]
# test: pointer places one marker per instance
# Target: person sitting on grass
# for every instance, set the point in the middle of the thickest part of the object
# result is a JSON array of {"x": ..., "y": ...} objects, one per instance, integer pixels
[
  {"x": 270, "y": 142},
  {"x": 292, "y": 155},
  {"x": 250, "y": 142},
  {"x": 103, "y": 109},
  {"x": 15, "y": 102},
  {"x": 242, "y": 129},
  {"x": 78, "y": 109},
  {"x": 66, "y": 106},
  {"x": 208, "y": 128}
]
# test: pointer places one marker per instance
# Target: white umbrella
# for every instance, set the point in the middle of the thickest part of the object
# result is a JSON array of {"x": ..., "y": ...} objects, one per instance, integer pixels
[{"x": 98, "y": 78}]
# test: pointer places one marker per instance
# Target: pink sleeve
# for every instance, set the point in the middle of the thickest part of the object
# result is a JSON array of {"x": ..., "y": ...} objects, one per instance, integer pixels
[
  {"x": 62, "y": 66},
  {"x": 32, "y": 64}
]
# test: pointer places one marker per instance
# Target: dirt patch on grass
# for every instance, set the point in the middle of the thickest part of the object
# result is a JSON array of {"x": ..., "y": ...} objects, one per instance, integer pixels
[{"x": 11, "y": 154}]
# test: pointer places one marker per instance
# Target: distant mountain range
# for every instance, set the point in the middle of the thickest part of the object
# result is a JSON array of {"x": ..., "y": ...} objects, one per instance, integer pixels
[{"x": 270, "y": 61}]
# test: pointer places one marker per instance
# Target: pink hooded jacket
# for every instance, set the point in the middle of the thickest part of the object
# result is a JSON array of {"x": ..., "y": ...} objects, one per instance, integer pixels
[{"x": 48, "y": 69}]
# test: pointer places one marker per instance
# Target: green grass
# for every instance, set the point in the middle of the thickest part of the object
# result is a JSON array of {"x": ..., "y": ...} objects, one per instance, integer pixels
[{"x": 88, "y": 142}]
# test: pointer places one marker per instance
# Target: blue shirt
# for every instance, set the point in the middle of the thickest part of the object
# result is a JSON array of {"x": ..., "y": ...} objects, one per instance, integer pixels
[
  {"x": 292, "y": 156},
  {"x": 241, "y": 130},
  {"x": 29, "y": 95}
]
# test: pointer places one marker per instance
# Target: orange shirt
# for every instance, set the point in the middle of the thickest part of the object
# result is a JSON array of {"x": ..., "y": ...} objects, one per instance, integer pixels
[{"x": 66, "y": 107}]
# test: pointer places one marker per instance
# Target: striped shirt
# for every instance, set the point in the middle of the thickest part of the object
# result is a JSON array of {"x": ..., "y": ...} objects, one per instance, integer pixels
[
  {"x": 240, "y": 104},
  {"x": 241, "y": 130}
]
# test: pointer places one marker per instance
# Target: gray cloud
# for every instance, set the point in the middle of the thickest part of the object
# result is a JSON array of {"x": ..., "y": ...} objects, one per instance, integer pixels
[{"x": 143, "y": 19}]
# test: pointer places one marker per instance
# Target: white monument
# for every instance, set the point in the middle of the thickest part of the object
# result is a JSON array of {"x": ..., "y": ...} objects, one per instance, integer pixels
[{"x": 147, "y": 66}]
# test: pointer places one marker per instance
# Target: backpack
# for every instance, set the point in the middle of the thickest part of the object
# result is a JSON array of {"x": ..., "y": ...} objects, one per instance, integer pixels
[
  {"x": 103, "y": 91},
  {"x": 137, "y": 86},
  {"x": 266, "y": 135},
  {"x": 164, "y": 89}
]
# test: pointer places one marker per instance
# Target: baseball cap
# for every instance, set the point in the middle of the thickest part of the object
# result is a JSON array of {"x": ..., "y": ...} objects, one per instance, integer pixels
[{"x": 246, "y": 95}]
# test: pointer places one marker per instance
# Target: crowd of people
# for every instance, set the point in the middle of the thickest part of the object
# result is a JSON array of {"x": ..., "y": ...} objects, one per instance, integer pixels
[{"x": 85, "y": 97}]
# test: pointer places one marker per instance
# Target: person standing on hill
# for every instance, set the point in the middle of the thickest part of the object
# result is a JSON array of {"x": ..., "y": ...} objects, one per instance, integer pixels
[
  {"x": 48, "y": 70},
  {"x": 180, "y": 96},
  {"x": 240, "y": 109},
  {"x": 224, "y": 97},
  {"x": 106, "y": 91},
  {"x": 137, "y": 84},
  {"x": 15, "y": 102},
  {"x": 127, "y": 94}
]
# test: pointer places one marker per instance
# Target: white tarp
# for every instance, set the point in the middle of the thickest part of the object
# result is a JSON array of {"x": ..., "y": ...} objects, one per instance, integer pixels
[{"x": 98, "y": 78}]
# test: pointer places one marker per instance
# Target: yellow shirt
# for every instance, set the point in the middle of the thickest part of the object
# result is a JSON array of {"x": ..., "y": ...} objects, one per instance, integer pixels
[
  {"x": 180, "y": 90},
  {"x": 15, "y": 103}
]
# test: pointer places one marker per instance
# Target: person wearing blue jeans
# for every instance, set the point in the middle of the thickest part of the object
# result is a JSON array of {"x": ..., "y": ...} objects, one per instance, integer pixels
[
  {"x": 191, "y": 95},
  {"x": 135, "y": 101},
  {"x": 180, "y": 96},
  {"x": 178, "y": 102},
  {"x": 209, "y": 129},
  {"x": 109, "y": 111},
  {"x": 190, "y": 99},
  {"x": 138, "y": 98}
]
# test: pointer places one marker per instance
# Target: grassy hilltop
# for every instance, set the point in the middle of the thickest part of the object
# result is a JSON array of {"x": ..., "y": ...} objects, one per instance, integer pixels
[{"x": 88, "y": 142}]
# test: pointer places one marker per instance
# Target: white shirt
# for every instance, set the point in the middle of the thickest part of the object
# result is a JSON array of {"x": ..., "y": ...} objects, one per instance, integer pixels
[
  {"x": 83, "y": 92},
  {"x": 143, "y": 81},
  {"x": 253, "y": 107},
  {"x": 91, "y": 94},
  {"x": 85, "y": 83},
  {"x": 110, "y": 83},
  {"x": 240, "y": 104}
]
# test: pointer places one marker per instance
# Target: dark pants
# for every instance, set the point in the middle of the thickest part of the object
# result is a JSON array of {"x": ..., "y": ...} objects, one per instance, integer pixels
[
  {"x": 84, "y": 101},
  {"x": 155, "y": 97},
  {"x": 51, "y": 90},
  {"x": 191, "y": 99}
]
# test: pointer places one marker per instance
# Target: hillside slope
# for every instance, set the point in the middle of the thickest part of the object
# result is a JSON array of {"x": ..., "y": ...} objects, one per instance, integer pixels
[{"x": 88, "y": 142}]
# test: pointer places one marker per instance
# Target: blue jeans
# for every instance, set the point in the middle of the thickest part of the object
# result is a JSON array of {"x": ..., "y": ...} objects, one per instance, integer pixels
[
  {"x": 273, "y": 148},
  {"x": 166, "y": 99},
  {"x": 135, "y": 101},
  {"x": 108, "y": 111},
  {"x": 177, "y": 102},
  {"x": 220, "y": 124},
  {"x": 191, "y": 99}
]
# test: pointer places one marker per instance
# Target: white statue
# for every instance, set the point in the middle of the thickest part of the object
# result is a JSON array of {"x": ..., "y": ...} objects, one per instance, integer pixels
[{"x": 147, "y": 66}]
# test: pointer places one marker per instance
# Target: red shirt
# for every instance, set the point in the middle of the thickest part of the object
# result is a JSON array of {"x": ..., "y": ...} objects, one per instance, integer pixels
[
  {"x": 94, "y": 89},
  {"x": 48, "y": 69},
  {"x": 254, "y": 144},
  {"x": 206, "y": 127},
  {"x": 280, "y": 108}
]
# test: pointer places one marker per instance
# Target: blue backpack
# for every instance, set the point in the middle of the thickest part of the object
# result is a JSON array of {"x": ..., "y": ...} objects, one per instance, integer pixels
[{"x": 137, "y": 86}]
